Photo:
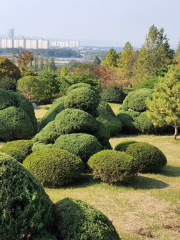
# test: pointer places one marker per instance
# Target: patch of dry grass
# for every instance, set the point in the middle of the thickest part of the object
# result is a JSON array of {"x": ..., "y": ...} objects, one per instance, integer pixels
[{"x": 115, "y": 106}]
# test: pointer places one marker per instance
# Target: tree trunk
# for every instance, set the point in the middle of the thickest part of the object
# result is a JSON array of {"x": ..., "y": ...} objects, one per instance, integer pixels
[{"x": 176, "y": 132}]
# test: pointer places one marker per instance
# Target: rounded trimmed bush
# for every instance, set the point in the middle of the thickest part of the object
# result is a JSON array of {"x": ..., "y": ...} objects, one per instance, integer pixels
[
  {"x": 102, "y": 134},
  {"x": 79, "y": 85},
  {"x": 47, "y": 135},
  {"x": 51, "y": 114},
  {"x": 7, "y": 99},
  {"x": 113, "y": 94},
  {"x": 75, "y": 121},
  {"x": 80, "y": 144},
  {"x": 22, "y": 145},
  {"x": 149, "y": 157},
  {"x": 143, "y": 123},
  {"x": 136, "y": 100},
  {"x": 54, "y": 167},
  {"x": 127, "y": 122},
  {"x": 15, "y": 124},
  {"x": 123, "y": 145},
  {"x": 14, "y": 152},
  {"x": 25, "y": 208},
  {"x": 112, "y": 166},
  {"x": 113, "y": 124},
  {"x": 82, "y": 98},
  {"x": 77, "y": 220},
  {"x": 39, "y": 146}
]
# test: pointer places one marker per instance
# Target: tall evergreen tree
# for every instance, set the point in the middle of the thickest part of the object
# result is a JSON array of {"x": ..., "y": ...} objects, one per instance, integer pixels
[
  {"x": 35, "y": 61},
  {"x": 52, "y": 64},
  {"x": 110, "y": 59},
  {"x": 154, "y": 53},
  {"x": 41, "y": 62},
  {"x": 46, "y": 65}
]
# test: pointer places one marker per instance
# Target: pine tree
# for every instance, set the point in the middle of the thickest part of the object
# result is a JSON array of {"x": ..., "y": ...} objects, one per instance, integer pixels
[
  {"x": 41, "y": 62},
  {"x": 52, "y": 64},
  {"x": 110, "y": 59},
  {"x": 164, "y": 108},
  {"x": 35, "y": 61},
  {"x": 46, "y": 65}
]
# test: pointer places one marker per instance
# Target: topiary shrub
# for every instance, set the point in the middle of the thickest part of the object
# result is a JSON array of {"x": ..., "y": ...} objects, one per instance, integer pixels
[
  {"x": 39, "y": 146},
  {"x": 113, "y": 94},
  {"x": 107, "y": 107},
  {"x": 51, "y": 114},
  {"x": 25, "y": 208},
  {"x": 136, "y": 100},
  {"x": 77, "y": 220},
  {"x": 128, "y": 125},
  {"x": 54, "y": 167},
  {"x": 149, "y": 157},
  {"x": 74, "y": 121},
  {"x": 102, "y": 134},
  {"x": 143, "y": 123},
  {"x": 78, "y": 85},
  {"x": 15, "y": 124},
  {"x": 8, "y": 84},
  {"x": 82, "y": 98},
  {"x": 16, "y": 110},
  {"x": 123, "y": 145},
  {"x": 112, "y": 166},
  {"x": 22, "y": 145},
  {"x": 14, "y": 152},
  {"x": 80, "y": 144},
  {"x": 47, "y": 135},
  {"x": 113, "y": 124},
  {"x": 149, "y": 83}
]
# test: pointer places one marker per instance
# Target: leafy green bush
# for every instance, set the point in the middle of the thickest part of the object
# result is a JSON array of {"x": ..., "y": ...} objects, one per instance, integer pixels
[
  {"x": 107, "y": 107},
  {"x": 39, "y": 146},
  {"x": 80, "y": 144},
  {"x": 14, "y": 152},
  {"x": 47, "y": 135},
  {"x": 82, "y": 98},
  {"x": 7, "y": 99},
  {"x": 77, "y": 220},
  {"x": 8, "y": 84},
  {"x": 102, "y": 134},
  {"x": 127, "y": 122},
  {"x": 149, "y": 157},
  {"x": 74, "y": 121},
  {"x": 113, "y": 124},
  {"x": 22, "y": 145},
  {"x": 25, "y": 208},
  {"x": 113, "y": 94},
  {"x": 143, "y": 123},
  {"x": 123, "y": 145},
  {"x": 136, "y": 100},
  {"x": 149, "y": 83},
  {"x": 54, "y": 167},
  {"x": 113, "y": 166},
  {"x": 51, "y": 114},
  {"x": 15, "y": 124},
  {"x": 78, "y": 85}
]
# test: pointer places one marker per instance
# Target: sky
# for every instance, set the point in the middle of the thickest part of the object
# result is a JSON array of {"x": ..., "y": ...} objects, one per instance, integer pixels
[{"x": 108, "y": 23}]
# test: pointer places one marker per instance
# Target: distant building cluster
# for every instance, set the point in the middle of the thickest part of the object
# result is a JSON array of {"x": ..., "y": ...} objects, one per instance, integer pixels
[
  {"x": 64, "y": 44},
  {"x": 11, "y": 42}
]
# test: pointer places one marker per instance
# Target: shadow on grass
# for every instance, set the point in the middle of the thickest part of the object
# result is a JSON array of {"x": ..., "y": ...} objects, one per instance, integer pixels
[
  {"x": 141, "y": 182},
  {"x": 171, "y": 171}
]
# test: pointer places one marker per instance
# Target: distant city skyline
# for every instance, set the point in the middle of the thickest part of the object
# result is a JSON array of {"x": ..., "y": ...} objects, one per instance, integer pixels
[{"x": 95, "y": 23}]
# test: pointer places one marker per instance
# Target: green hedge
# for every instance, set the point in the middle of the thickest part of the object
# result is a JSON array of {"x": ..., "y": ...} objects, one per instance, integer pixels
[
  {"x": 113, "y": 124},
  {"x": 102, "y": 134},
  {"x": 39, "y": 146},
  {"x": 78, "y": 85},
  {"x": 143, "y": 123},
  {"x": 82, "y": 98},
  {"x": 15, "y": 124},
  {"x": 113, "y": 94},
  {"x": 128, "y": 126},
  {"x": 136, "y": 100},
  {"x": 149, "y": 157},
  {"x": 54, "y": 167},
  {"x": 112, "y": 166},
  {"x": 22, "y": 145},
  {"x": 77, "y": 220},
  {"x": 74, "y": 121},
  {"x": 25, "y": 208},
  {"x": 51, "y": 114},
  {"x": 14, "y": 152},
  {"x": 7, "y": 99},
  {"x": 123, "y": 145},
  {"x": 80, "y": 144}
]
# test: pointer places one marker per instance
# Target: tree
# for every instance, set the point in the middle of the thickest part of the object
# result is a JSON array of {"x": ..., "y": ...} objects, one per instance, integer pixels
[
  {"x": 164, "y": 108},
  {"x": 35, "y": 61},
  {"x": 41, "y": 62},
  {"x": 126, "y": 61},
  {"x": 177, "y": 56},
  {"x": 31, "y": 87},
  {"x": 154, "y": 53},
  {"x": 110, "y": 59},
  {"x": 52, "y": 64},
  {"x": 8, "y": 69},
  {"x": 96, "y": 61},
  {"x": 24, "y": 58},
  {"x": 13, "y": 55},
  {"x": 46, "y": 65},
  {"x": 64, "y": 72}
]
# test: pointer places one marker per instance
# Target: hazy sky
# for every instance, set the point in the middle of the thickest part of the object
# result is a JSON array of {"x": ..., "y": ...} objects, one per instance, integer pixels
[{"x": 97, "y": 22}]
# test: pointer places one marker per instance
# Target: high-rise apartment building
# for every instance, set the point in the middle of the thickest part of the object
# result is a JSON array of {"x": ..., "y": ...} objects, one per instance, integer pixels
[{"x": 10, "y": 33}]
